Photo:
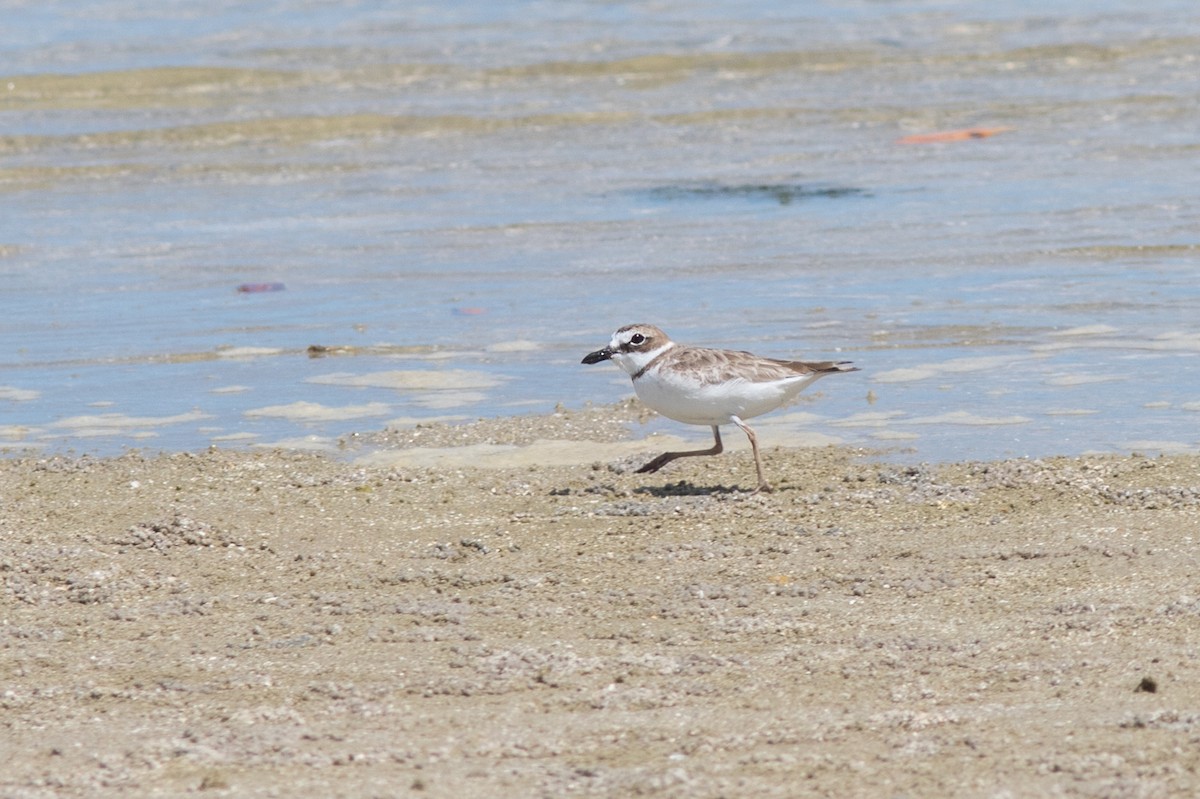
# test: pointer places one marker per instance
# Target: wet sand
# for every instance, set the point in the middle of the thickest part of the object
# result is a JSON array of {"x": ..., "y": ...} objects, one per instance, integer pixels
[{"x": 287, "y": 624}]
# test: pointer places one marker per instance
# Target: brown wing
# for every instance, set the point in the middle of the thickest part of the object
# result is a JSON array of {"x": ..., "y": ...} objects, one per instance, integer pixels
[
  {"x": 719, "y": 366},
  {"x": 825, "y": 367}
]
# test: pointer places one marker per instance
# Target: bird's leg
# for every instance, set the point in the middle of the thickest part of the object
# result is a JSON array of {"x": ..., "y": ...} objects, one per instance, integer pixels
[
  {"x": 665, "y": 458},
  {"x": 763, "y": 485}
]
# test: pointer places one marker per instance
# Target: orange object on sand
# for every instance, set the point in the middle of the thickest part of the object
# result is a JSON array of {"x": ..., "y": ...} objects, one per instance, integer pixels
[{"x": 951, "y": 135}]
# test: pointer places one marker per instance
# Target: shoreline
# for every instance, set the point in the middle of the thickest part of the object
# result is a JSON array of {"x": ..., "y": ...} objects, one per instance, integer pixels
[
  {"x": 261, "y": 623},
  {"x": 563, "y": 436}
]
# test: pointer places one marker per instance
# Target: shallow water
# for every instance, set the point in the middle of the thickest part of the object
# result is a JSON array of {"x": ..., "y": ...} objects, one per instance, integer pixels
[{"x": 462, "y": 200}]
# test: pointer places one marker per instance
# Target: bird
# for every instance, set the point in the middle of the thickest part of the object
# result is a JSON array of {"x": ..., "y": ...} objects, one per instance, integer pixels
[{"x": 702, "y": 386}]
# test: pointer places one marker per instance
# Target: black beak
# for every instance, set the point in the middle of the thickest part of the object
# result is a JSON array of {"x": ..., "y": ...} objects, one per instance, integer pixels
[{"x": 598, "y": 355}]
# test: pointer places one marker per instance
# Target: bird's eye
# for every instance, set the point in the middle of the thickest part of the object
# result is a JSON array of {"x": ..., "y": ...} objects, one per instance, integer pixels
[{"x": 637, "y": 338}]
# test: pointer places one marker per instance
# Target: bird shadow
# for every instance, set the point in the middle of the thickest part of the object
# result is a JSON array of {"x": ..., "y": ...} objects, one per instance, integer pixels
[{"x": 683, "y": 488}]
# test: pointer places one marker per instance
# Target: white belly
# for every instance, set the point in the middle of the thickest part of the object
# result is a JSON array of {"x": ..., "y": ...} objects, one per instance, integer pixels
[{"x": 715, "y": 403}]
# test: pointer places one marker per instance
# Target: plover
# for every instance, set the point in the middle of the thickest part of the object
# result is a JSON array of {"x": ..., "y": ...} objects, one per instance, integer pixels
[{"x": 696, "y": 385}]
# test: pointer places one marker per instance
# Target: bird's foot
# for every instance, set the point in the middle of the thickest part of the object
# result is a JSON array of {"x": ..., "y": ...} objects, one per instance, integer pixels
[{"x": 656, "y": 464}]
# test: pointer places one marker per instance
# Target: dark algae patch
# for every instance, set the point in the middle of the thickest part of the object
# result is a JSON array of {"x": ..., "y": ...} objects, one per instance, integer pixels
[{"x": 780, "y": 193}]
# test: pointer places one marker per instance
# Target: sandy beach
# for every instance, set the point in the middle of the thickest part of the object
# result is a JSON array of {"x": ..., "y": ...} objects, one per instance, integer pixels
[{"x": 285, "y": 624}]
